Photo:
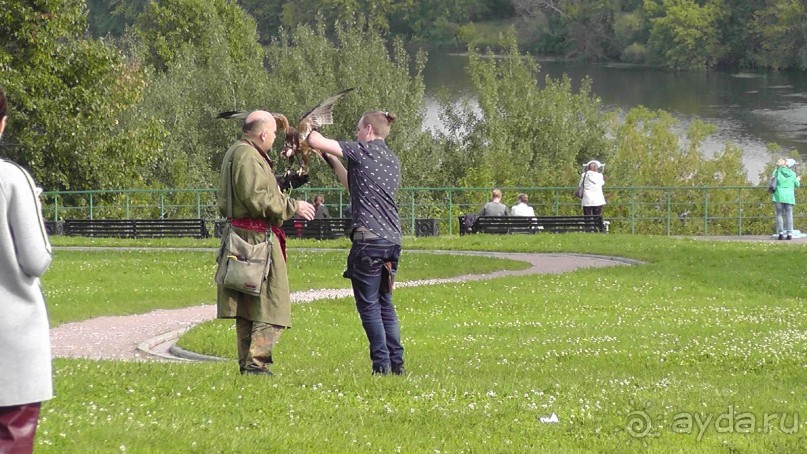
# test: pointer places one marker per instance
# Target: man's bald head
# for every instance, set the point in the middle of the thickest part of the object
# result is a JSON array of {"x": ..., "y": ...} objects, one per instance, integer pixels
[
  {"x": 260, "y": 128},
  {"x": 258, "y": 120}
]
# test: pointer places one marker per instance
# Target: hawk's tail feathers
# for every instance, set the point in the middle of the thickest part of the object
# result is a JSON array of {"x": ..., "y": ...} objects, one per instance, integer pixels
[{"x": 232, "y": 114}]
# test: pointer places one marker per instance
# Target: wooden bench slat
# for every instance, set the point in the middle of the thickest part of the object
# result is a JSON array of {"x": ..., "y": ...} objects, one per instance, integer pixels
[
  {"x": 136, "y": 228},
  {"x": 538, "y": 224}
]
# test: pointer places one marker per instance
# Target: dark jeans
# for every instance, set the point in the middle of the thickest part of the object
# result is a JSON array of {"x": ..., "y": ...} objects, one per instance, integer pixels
[
  {"x": 592, "y": 211},
  {"x": 365, "y": 268}
]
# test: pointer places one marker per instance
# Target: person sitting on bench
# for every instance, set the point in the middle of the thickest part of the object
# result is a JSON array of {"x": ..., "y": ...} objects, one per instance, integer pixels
[
  {"x": 495, "y": 207},
  {"x": 521, "y": 208}
]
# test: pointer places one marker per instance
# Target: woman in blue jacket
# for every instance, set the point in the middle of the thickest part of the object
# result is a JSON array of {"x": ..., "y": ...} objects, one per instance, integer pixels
[{"x": 784, "y": 197}]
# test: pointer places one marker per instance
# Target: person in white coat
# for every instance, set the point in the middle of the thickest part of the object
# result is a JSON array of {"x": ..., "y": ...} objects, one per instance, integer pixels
[
  {"x": 521, "y": 208},
  {"x": 593, "y": 197},
  {"x": 25, "y": 359}
]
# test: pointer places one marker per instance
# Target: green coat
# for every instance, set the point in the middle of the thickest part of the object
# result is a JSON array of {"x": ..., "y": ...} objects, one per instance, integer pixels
[
  {"x": 786, "y": 183},
  {"x": 256, "y": 195}
]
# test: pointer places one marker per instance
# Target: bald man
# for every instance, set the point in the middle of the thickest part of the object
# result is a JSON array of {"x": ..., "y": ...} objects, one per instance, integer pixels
[{"x": 259, "y": 208}]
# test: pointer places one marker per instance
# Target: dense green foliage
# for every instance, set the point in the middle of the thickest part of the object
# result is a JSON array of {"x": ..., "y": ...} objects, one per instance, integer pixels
[
  {"x": 68, "y": 95},
  {"x": 673, "y": 33},
  {"x": 524, "y": 134},
  {"x": 203, "y": 58},
  {"x": 137, "y": 111},
  {"x": 307, "y": 65}
]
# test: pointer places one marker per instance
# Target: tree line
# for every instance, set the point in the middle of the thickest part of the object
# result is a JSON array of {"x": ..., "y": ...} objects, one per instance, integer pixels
[
  {"x": 137, "y": 111},
  {"x": 677, "y": 34}
]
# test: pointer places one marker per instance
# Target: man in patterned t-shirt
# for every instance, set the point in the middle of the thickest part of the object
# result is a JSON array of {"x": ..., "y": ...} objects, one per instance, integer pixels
[{"x": 372, "y": 177}]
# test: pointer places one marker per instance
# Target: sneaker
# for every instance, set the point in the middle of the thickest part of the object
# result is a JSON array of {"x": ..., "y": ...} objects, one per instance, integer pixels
[
  {"x": 789, "y": 237},
  {"x": 781, "y": 237},
  {"x": 398, "y": 370}
]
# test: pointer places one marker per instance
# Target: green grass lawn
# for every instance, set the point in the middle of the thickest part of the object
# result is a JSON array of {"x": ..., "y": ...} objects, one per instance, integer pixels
[
  {"x": 701, "y": 349},
  {"x": 83, "y": 283}
]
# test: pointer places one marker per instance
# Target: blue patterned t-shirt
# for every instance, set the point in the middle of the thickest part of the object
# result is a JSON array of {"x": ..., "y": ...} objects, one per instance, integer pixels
[{"x": 374, "y": 176}]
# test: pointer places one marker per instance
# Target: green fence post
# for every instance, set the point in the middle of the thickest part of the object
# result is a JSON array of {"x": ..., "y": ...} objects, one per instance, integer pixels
[
  {"x": 556, "y": 201},
  {"x": 198, "y": 203},
  {"x": 740, "y": 212},
  {"x": 450, "y": 212},
  {"x": 91, "y": 206},
  {"x": 56, "y": 207},
  {"x": 412, "y": 209},
  {"x": 667, "y": 192},
  {"x": 706, "y": 211},
  {"x": 633, "y": 211}
]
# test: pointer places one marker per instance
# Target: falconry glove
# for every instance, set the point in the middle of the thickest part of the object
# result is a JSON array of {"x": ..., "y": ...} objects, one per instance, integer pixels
[{"x": 291, "y": 180}]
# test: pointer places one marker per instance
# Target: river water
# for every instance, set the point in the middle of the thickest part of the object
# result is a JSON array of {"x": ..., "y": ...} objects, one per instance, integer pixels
[{"x": 750, "y": 109}]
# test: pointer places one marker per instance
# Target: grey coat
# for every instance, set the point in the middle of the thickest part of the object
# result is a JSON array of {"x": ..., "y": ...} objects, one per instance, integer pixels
[
  {"x": 494, "y": 209},
  {"x": 25, "y": 254}
]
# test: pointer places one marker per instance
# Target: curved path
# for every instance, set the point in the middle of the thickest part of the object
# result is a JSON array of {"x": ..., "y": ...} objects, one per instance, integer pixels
[{"x": 152, "y": 336}]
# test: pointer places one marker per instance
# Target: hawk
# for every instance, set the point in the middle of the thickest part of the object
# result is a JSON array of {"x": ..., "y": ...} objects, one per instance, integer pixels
[{"x": 295, "y": 143}]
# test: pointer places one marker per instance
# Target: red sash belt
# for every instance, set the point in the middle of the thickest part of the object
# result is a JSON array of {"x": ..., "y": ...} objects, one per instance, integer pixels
[
  {"x": 255, "y": 225},
  {"x": 259, "y": 226}
]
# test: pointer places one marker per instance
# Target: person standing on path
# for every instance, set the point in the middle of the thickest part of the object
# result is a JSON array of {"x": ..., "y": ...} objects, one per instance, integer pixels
[
  {"x": 372, "y": 178},
  {"x": 593, "y": 197},
  {"x": 26, "y": 377},
  {"x": 259, "y": 208},
  {"x": 784, "y": 197}
]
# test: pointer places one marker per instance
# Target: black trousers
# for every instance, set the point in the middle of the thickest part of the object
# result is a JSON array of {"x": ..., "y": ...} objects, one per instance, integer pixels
[{"x": 592, "y": 211}]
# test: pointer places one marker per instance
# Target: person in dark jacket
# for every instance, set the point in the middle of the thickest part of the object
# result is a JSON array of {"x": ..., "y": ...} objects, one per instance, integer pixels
[{"x": 372, "y": 178}]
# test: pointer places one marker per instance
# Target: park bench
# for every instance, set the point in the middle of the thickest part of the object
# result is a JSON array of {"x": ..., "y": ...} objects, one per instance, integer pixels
[
  {"x": 564, "y": 224},
  {"x": 521, "y": 224},
  {"x": 136, "y": 228},
  {"x": 505, "y": 224},
  {"x": 319, "y": 229}
]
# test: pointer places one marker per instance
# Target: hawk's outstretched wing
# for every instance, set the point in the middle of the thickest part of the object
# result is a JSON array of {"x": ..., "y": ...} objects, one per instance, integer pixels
[{"x": 322, "y": 113}]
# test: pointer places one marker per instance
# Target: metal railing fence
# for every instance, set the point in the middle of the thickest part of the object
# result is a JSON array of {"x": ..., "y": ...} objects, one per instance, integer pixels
[{"x": 709, "y": 210}]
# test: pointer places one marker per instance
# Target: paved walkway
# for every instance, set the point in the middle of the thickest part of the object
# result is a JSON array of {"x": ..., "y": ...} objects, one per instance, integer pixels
[{"x": 152, "y": 336}]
